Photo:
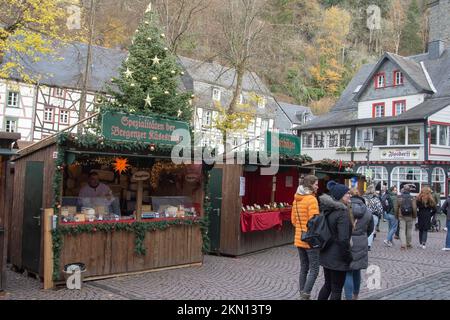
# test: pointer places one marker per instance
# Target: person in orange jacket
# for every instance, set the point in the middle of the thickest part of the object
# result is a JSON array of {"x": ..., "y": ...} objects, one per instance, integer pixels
[{"x": 305, "y": 207}]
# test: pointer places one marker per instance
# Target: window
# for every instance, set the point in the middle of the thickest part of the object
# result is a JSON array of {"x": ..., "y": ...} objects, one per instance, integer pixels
[
  {"x": 265, "y": 126},
  {"x": 261, "y": 102},
  {"x": 64, "y": 116},
  {"x": 398, "y": 107},
  {"x": 318, "y": 140},
  {"x": 48, "y": 114},
  {"x": 398, "y": 78},
  {"x": 443, "y": 134},
  {"x": 380, "y": 80},
  {"x": 11, "y": 125},
  {"x": 415, "y": 135},
  {"x": 207, "y": 118},
  {"x": 216, "y": 94},
  {"x": 58, "y": 92},
  {"x": 409, "y": 175},
  {"x": 307, "y": 140},
  {"x": 434, "y": 134},
  {"x": 362, "y": 135},
  {"x": 380, "y": 174},
  {"x": 345, "y": 138},
  {"x": 333, "y": 140},
  {"x": 13, "y": 99},
  {"x": 251, "y": 126},
  {"x": 398, "y": 136},
  {"x": 380, "y": 136},
  {"x": 438, "y": 180},
  {"x": 378, "y": 110}
]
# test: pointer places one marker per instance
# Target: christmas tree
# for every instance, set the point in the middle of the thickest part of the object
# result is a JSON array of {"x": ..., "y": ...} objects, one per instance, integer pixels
[{"x": 150, "y": 76}]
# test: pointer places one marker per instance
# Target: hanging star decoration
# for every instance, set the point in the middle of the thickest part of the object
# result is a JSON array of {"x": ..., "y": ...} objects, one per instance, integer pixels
[
  {"x": 148, "y": 101},
  {"x": 128, "y": 73},
  {"x": 156, "y": 60},
  {"x": 120, "y": 165}
]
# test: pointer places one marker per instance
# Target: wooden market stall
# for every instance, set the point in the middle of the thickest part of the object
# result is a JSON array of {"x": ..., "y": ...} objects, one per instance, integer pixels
[
  {"x": 8, "y": 148},
  {"x": 252, "y": 211},
  {"x": 151, "y": 219}
]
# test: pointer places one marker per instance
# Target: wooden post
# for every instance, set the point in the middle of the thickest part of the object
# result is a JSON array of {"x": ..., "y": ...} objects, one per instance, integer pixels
[
  {"x": 139, "y": 201},
  {"x": 48, "y": 250}
]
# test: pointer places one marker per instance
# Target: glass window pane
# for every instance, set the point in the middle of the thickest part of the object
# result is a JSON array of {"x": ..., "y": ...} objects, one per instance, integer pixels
[
  {"x": 414, "y": 135},
  {"x": 398, "y": 136},
  {"x": 443, "y": 132},
  {"x": 434, "y": 134},
  {"x": 380, "y": 136}
]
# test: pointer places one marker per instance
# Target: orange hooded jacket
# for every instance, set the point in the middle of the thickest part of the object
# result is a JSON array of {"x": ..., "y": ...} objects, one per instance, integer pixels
[{"x": 305, "y": 207}]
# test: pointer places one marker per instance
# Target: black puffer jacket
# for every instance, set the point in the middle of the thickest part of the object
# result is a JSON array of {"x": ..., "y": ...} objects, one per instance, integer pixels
[
  {"x": 362, "y": 230},
  {"x": 337, "y": 255}
]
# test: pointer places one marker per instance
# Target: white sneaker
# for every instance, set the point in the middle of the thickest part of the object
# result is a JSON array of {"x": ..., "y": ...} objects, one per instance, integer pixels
[
  {"x": 445, "y": 249},
  {"x": 387, "y": 243},
  {"x": 445, "y": 229},
  {"x": 424, "y": 247}
]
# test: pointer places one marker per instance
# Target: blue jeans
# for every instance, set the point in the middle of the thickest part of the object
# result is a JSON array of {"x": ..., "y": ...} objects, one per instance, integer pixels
[
  {"x": 393, "y": 224},
  {"x": 447, "y": 242},
  {"x": 375, "y": 222},
  {"x": 352, "y": 284}
]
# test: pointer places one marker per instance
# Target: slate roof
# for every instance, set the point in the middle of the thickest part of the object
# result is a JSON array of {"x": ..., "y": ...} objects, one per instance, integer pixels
[
  {"x": 214, "y": 73},
  {"x": 67, "y": 72},
  {"x": 345, "y": 111}
]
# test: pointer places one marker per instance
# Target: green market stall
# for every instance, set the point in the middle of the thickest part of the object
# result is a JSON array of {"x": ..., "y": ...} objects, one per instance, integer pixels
[{"x": 154, "y": 219}]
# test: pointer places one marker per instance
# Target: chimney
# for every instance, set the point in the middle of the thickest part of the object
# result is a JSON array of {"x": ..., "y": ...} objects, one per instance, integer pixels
[
  {"x": 436, "y": 49},
  {"x": 439, "y": 22}
]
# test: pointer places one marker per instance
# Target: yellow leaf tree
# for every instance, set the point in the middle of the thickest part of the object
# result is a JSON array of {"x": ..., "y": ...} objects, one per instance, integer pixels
[
  {"x": 28, "y": 28},
  {"x": 328, "y": 71}
]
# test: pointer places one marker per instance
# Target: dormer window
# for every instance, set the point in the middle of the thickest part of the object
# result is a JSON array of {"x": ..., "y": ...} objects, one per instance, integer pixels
[
  {"x": 398, "y": 107},
  {"x": 378, "y": 110},
  {"x": 216, "y": 95},
  {"x": 380, "y": 80},
  {"x": 398, "y": 78}
]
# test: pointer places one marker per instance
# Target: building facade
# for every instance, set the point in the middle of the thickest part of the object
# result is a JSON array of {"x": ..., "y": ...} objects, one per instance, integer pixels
[
  {"x": 289, "y": 116},
  {"x": 402, "y": 106}
]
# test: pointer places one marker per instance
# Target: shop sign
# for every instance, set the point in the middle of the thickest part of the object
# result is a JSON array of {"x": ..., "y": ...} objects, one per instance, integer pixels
[
  {"x": 289, "y": 144},
  {"x": 124, "y": 127},
  {"x": 141, "y": 176},
  {"x": 397, "y": 154}
]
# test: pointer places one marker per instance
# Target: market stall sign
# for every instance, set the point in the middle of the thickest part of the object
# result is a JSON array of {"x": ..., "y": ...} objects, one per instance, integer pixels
[
  {"x": 398, "y": 154},
  {"x": 289, "y": 144},
  {"x": 123, "y": 127},
  {"x": 141, "y": 176}
]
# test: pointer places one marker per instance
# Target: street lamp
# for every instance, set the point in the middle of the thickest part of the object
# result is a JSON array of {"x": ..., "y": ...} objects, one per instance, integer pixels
[{"x": 368, "y": 143}]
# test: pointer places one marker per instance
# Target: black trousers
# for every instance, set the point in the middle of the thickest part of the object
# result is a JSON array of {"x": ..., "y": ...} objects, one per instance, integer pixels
[{"x": 334, "y": 283}]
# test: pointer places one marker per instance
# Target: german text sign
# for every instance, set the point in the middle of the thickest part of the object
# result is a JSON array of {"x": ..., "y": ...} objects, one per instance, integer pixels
[
  {"x": 123, "y": 127},
  {"x": 289, "y": 144}
]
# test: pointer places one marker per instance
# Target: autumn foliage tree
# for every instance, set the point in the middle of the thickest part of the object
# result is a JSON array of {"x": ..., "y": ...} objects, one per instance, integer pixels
[{"x": 29, "y": 27}]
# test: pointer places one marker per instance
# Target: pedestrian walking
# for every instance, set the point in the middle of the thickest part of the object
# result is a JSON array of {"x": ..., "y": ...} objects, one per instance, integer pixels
[
  {"x": 363, "y": 226},
  {"x": 374, "y": 205},
  {"x": 446, "y": 210},
  {"x": 336, "y": 257},
  {"x": 406, "y": 213},
  {"x": 426, "y": 209},
  {"x": 388, "y": 203},
  {"x": 305, "y": 207}
]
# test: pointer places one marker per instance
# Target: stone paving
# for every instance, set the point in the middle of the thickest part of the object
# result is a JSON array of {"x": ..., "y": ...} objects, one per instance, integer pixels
[{"x": 268, "y": 275}]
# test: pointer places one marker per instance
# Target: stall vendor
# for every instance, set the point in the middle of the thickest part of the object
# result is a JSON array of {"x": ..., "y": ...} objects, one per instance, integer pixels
[{"x": 96, "y": 194}]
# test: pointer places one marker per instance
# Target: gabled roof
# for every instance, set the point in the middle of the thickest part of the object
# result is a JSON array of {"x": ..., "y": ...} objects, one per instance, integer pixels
[
  {"x": 214, "y": 73},
  {"x": 66, "y": 66},
  {"x": 410, "y": 68},
  {"x": 289, "y": 115}
]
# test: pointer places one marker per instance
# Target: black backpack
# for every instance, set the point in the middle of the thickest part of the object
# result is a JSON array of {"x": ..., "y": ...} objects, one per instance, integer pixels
[
  {"x": 386, "y": 203},
  {"x": 406, "y": 208},
  {"x": 318, "y": 233}
]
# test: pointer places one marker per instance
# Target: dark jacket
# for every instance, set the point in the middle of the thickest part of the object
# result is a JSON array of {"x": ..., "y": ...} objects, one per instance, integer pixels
[
  {"x": 394, "y": 199},
  {"x": 424, "y": 215},
  {"x": 446, "y": 208},
  {"x": 398, "y": 213},
  {"x": 387, "y": 197},
  {"x": 363, "y": 229},
  {"x": 337, "y": 255}
]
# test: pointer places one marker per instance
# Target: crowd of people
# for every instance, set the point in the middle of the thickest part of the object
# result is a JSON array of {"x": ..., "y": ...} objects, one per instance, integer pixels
[{"x": 353, "y": 222}]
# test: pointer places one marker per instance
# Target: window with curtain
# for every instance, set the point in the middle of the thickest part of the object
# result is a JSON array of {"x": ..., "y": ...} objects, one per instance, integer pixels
[{"x": 438, "y": 179}]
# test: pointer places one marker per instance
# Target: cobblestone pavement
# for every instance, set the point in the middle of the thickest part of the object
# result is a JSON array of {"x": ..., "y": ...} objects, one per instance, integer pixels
[{"x": 271, "y": 275}]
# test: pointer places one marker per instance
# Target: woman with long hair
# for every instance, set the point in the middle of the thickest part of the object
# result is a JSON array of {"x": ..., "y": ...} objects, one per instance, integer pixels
[
  {"x": 426, "y": 208},
  {"x": 305, "y": 207}
]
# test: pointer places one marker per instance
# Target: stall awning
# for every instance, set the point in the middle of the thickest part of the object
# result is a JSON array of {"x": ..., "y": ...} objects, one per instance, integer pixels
[
  {"x": 338, "y": 173},
  {"x": 7, "y": 152}
]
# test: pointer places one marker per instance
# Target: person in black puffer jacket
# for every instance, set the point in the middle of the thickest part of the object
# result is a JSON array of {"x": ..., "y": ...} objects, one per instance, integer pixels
[
  {"x": 336, "y": 257},
  {"x": 363, "y": 228}
]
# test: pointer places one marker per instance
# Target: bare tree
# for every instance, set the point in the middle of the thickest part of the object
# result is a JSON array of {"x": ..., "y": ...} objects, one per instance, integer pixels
[
  {"x": 397, "y": 16},
  {"x": 177, "y": 16},
  {"x": 241, "y": 38}
]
